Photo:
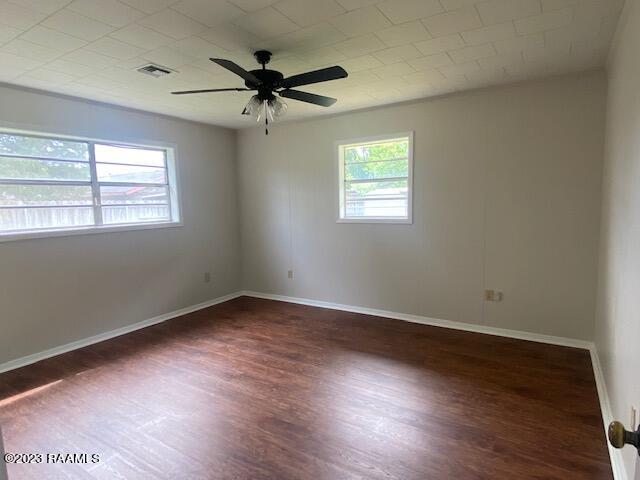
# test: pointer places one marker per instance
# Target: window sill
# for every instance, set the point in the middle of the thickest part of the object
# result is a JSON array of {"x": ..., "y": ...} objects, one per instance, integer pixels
[
  {"x": 399, "y": 221},
  {"x": 27, "y": 235}
]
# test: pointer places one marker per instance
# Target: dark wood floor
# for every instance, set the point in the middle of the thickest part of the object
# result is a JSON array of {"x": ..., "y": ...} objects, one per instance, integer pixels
[{"x": 255, "y": 389}]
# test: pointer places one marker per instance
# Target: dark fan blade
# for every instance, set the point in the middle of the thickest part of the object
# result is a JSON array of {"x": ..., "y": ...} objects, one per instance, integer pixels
[
  {"x": 237, "y": 69},
  {"x": 317, "y": 76},
  {"x": 186, "y": 92},
  {"x": 308, "y": 97}
]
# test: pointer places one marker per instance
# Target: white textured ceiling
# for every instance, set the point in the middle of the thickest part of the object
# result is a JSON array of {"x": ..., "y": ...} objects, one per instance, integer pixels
[{"x": 394, "y": 50}]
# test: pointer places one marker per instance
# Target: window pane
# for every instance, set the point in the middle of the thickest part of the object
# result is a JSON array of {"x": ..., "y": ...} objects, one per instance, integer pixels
[
  {"x": 377, "y": 199},
  {"x": 388, "y": 208},
  {"x": 386, "y": 150},
  {"x": 43, "y": 147},
  {"x": 130, "y": 174},
  {"x": 376, "y": 189},
  {"x": 136, "y": 156},
  {"x": 377, "y": 169},
  {"x": 134, "y": 214},
  {"x": 41, "y": 218},
  {"x": 44, "y": 195},
  {"x": 137, "y": 194},
  {"x": 31, "y": 169}
]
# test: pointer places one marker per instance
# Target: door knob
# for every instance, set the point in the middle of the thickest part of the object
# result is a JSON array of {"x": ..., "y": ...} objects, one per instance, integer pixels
[{"x": 619, "y": 437}]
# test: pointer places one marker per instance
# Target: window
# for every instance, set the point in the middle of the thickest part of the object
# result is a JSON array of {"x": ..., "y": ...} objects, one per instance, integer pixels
[
  {"x": 56, "y": 184},
  {"x": 375, "y": 179}
]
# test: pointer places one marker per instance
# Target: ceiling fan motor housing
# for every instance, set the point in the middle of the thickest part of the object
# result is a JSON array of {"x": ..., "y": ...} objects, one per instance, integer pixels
[{"x": 269, "y": 78}]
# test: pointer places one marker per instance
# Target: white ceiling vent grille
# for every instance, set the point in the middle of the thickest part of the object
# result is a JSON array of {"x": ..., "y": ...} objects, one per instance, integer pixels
[{"x": 155, "y": 70}]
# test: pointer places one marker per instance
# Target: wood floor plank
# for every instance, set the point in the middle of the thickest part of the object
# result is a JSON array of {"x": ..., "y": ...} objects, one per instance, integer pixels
[{"x": 257, "y": 389}]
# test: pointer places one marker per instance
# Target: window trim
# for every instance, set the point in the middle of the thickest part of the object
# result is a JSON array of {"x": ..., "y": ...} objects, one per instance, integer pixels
[
  {"x": 339, "y": 194},
  {"x": 173, "y": 185}
]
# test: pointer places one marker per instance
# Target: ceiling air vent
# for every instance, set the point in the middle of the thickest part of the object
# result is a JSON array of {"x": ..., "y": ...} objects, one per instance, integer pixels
[{"x": 154, "y": 70}]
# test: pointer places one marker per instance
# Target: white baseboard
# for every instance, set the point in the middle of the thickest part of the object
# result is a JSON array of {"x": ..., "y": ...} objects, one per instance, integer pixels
[
  {"x": 435, "y": 322},
  {"x": 36, "y": 357},
  {"x": 617, "y": 463}
]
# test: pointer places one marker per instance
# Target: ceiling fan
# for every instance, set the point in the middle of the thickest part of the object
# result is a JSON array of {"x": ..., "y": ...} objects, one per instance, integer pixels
[{"x": 269, "y": 82}]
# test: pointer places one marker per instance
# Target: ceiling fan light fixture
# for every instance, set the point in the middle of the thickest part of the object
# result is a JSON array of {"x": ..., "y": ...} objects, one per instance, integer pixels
[
  {"x": 276, "y": 108},
  {"x": 253, "y": 107},
  {"x": 260, "y": 109}
]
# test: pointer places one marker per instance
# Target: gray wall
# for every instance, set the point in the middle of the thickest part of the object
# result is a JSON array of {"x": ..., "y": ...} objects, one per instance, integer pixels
[
  {"x": 618, "y": 312},
  {"x": 507, "y": 196},
  {"x": 57, "y": 290}
]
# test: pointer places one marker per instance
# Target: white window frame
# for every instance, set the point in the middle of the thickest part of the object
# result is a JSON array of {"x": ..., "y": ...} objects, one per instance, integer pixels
[
  {"x": 340, "y": 194},
  {"x": 175, "y": 203}
]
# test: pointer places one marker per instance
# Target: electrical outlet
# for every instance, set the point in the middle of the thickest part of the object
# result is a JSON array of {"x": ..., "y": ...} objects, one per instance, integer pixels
[
  {"x": 290, "y": 273},
  {"x": 207, "y": 277},
  {"x": 492, "y": 296}
]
